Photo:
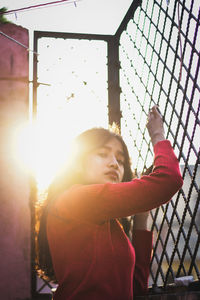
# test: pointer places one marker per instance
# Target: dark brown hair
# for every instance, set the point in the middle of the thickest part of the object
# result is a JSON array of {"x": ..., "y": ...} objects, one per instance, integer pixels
[{"x": 85, "y": 143}]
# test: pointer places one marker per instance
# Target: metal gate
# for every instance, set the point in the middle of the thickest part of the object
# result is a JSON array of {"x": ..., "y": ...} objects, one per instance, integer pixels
[{"x": 154, "y": 58}]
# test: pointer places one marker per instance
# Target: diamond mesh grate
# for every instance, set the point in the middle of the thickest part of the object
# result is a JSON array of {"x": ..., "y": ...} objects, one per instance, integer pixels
[{"x": 159, "y": 55}]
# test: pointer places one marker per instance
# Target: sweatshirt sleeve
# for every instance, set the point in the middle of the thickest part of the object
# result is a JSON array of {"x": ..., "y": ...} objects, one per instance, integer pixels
[
  {"x": 143, "y": 245},
  {"x": 100, "y": 202}
]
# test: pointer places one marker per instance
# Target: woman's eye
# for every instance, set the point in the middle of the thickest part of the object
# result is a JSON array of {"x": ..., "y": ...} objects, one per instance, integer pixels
[
  {"x": 121, "y": 162},
  {"x": 102, "y": 154}
]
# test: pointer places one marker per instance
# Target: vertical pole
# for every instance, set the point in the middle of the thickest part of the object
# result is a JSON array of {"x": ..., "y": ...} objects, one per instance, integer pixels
[
  {"x": 35, "y": 85},
  {"x": 33, "y": 193},
  {"x": 113, "y": 82}
]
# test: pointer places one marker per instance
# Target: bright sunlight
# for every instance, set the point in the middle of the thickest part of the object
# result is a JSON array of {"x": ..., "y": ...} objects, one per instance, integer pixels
[{"x": 71, "y": 97}]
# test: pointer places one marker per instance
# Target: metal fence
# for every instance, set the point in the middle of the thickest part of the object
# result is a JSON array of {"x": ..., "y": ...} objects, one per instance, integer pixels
[
  {"x": 159, "y": 54},
  {"x": 154, "y": 58}
]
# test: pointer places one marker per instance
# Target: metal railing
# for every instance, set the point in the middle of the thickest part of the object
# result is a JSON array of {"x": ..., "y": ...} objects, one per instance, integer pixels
[{"x": 159, "y": 54}]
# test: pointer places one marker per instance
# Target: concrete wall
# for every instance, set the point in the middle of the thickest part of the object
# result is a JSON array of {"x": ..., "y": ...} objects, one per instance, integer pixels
[{"x": 15, "y": 229}]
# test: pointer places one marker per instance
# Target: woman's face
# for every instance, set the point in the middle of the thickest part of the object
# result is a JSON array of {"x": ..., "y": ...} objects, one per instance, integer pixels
[{"x": 105, "y": 164}]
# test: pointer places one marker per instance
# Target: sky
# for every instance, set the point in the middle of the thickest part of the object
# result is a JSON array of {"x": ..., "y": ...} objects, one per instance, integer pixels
[{"x": 81, "y": 16}]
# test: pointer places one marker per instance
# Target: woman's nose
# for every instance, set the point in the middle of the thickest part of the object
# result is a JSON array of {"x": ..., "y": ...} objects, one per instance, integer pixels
[{"x": 113, "y": 162}]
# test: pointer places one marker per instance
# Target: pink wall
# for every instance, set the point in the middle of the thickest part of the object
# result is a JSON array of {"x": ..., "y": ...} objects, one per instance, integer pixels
[{"x": 15, "y": 272}]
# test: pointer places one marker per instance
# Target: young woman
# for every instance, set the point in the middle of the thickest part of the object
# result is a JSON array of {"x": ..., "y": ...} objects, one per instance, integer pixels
[{"x": 81, "y": 241}]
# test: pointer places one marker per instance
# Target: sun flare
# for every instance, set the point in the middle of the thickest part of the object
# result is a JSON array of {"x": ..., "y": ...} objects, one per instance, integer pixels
[{"x": 71, "y": 98}]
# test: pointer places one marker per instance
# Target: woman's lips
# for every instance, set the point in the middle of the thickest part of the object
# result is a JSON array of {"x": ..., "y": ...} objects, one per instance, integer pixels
[{"x": 112, "y": 174}]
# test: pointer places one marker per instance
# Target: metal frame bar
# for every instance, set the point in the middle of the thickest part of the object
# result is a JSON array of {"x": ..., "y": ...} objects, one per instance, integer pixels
[
  {"x": 113, "y": 68},
  {"x": 113, "y": 96}
]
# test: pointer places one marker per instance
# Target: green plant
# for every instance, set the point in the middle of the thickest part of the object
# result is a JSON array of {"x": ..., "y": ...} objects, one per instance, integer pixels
[{"x": 3, "y": 19}]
